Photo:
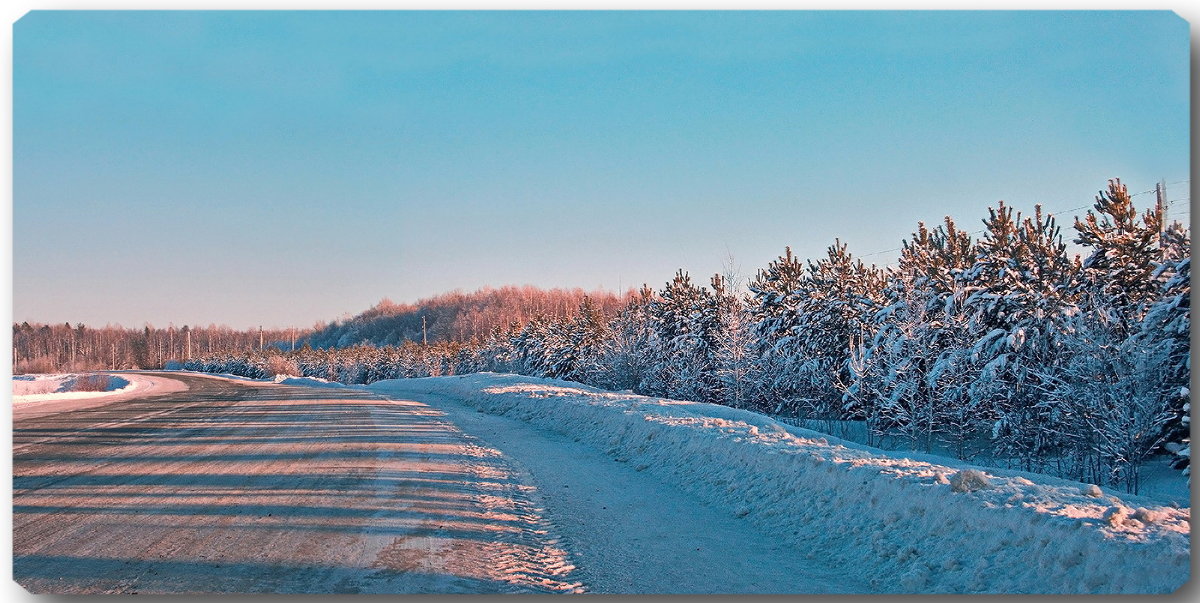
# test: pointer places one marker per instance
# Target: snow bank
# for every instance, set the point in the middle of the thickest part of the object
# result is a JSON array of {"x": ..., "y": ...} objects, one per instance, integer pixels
[
  {"x": 910, "y": 525},
  {"x": 48, "y": 402},
  {"x": 39, "y": 388},
  {"x": 276, "y": 380},
  {"x": 307, "y": 381}
]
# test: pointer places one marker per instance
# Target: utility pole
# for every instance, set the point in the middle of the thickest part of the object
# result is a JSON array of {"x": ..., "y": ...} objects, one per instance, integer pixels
[
  {"x": 293, "y": 339},
  {"x": 260, "y": 338},
  {"x": 189, "y": 344},
  {"x": 424, "y": 336},
  {"x": 1164, "y": 207}
]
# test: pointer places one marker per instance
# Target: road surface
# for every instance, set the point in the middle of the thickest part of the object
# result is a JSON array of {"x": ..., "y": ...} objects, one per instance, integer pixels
[{"x": 237, "y": 487}]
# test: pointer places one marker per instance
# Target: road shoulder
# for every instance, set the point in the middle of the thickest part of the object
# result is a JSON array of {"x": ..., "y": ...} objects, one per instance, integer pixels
[{"x": 629, "y": 532}]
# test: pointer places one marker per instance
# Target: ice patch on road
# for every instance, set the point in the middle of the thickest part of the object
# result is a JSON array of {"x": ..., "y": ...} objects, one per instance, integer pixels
[{"x": 899, "y": 520}]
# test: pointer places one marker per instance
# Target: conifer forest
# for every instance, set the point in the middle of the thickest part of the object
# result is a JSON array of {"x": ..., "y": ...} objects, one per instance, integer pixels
[{"x": 1002, "y": 346}]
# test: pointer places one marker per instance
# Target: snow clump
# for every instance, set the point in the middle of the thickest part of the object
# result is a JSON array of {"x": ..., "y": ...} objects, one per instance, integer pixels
[{"x": 969, "y": 480}]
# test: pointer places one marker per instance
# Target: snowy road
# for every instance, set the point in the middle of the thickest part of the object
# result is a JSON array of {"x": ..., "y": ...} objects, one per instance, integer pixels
[
  {"x": 233, "y": 487},
  {"x": 629, "y": 532}
]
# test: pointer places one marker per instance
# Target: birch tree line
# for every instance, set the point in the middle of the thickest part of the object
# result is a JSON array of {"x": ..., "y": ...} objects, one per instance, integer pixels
[{"x": 46, "y": 348}]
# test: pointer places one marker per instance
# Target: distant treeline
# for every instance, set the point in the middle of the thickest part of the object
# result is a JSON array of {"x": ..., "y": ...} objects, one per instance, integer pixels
[
  {"x": 1003, "y": 346},
  {"x": 449, "y": 318},
  {"x": 42, "y": 348},
  {"x": 459, "y": 317}
]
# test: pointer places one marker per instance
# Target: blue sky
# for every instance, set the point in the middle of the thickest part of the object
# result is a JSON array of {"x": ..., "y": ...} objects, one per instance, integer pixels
[{"x": 283, "y": 168}]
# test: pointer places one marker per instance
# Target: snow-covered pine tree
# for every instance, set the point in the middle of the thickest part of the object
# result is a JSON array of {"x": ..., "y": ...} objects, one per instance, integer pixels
[
  {"x": 1125, "y": 252},
  {"x": 558, "y": 355},
  {"x": 624, "y": 356},
  {"x": 1175, "y": 243},
  {"x": 734, "y": 362},
  {"x": 939, "y": 268},
  {"x": 886, "y": 373},
  {"x": 1162, "y": 340},
  {"x": 937, "y": 257},
  {"x": 844, "y": 295},
  {"x": 530, "y": 347},
  {"x": 776, "y": 293},
  {"x": 1112, "y": 399},
  {"x": 686, "y": 324},
  {"x": 902, "y": 378},
  {"x": 1016, "y": 292},
  {"x": 575, "y": 359},
  {"x": 494, "y": 353}
]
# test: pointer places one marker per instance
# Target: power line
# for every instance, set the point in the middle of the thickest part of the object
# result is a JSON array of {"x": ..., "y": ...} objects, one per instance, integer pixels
[
  {"x": 867, "y": 255},
  {"x": 1053, "y": 213},
  {"x": 983, "y": 230}
]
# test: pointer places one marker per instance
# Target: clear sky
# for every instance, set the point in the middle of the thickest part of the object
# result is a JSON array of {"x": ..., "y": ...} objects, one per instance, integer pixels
[{"x": 283, "y": 168}]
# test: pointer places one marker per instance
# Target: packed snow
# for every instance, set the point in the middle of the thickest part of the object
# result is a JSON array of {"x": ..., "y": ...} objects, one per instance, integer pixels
[
  {"x": 909, "y": 524},
  {"x": 629, "y": 532}
]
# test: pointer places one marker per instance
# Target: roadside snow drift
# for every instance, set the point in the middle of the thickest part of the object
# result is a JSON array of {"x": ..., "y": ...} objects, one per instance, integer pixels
[
  {"x": 909, "y": 525},
  {"x": 40, "y": 395},
  {"x": 276, "y": 380},
  {"x": 35, "y": 388}
]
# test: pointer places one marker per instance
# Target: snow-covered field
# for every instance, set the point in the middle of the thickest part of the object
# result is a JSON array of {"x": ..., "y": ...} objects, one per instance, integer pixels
[{"x": 913, "y": 525}]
